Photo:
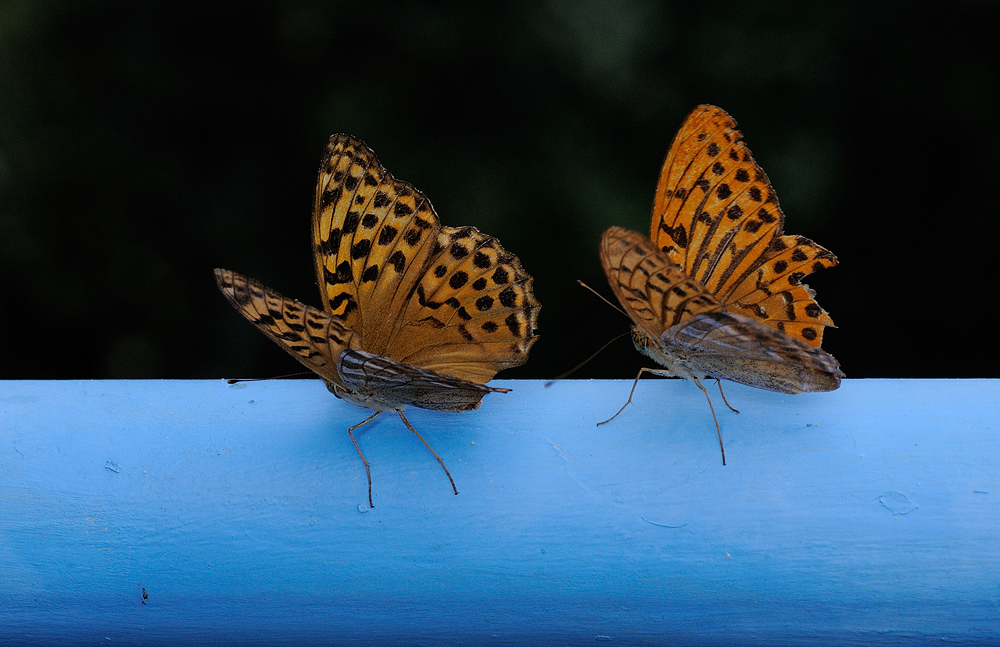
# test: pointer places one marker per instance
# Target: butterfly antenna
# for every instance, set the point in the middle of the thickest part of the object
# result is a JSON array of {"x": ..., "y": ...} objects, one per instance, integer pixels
[
  {"x": 602, "y": 298},
  {"x": 368, "y": 472},
  {"x": 584, "y": 362},
  {"x": 261, "y": 379},
  {"x": 410, "y": 427}
]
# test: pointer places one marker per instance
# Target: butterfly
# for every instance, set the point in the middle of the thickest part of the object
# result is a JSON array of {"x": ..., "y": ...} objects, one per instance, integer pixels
[
  {"x": 414, "y": 313},
  {"x": 716, "y": 290}
]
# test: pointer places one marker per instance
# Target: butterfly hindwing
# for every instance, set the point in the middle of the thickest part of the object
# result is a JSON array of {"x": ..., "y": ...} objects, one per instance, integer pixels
[
  {"x": 308, "y": 334},
  {"x": 734, "y": 347},
  {"x": 716, "y": 215},
  {"x": 775, "y": 295},
  {"x": 371, "y": 377},
  {"x": 472, "y": 313}
]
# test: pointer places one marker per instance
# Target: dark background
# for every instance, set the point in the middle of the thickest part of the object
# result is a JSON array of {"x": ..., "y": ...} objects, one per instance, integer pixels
[{"x": 143, "y": 144}]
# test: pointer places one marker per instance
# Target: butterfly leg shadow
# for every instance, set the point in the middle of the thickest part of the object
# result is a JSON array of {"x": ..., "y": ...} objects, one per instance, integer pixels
[{"x": 666, "y": 373}]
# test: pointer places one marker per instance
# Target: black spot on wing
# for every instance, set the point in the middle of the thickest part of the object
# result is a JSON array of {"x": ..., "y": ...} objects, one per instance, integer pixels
[
  {"x": 329, "y": 197},
  {"x": 481, "y": 260},
  {"x": 508, "y": 297},
  {"x": 513, "y": 324},
  {"x": 387, "y": 235},
  {"x": 458, "y": 251},
  {"x": 458, "y": 279},
  {"x": 398, "y": 261},
  {"x": 412, "y": 236},
  {"x": 360, "y": 249}
]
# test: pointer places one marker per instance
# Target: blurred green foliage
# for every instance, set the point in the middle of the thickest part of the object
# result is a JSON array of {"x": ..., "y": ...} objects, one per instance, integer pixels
[{"x": 143, "y": 144}]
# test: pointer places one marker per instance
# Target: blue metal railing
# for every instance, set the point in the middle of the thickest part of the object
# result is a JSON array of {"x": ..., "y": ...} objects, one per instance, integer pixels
[{"x": 870, "y": 514}]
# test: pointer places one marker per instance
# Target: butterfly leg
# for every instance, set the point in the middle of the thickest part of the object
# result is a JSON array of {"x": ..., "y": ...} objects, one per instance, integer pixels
[
  {"x": 712, "y": 409},
  {"x": 408, "y": 426},
  {"x": 368, "y": 473},
  {"x": 719, "y": 383},
  {"x": 654, "y": 371}
]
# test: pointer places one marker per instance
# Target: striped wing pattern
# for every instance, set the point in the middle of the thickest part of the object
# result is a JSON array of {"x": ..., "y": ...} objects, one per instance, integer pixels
[
  {"x": 655, "y": 292},
  {"x": 313, "y": 337}
]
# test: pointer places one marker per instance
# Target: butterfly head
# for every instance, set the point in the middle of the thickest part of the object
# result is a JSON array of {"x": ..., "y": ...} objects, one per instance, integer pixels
[
  {"x": 646, "y": 345},
  {"x": 640, "y": 340},
  {"x": 671, "y": 358}
]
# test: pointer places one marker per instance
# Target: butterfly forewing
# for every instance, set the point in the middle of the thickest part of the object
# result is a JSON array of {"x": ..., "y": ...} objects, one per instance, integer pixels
[
  {"x": 711, "y": 191},
  {"x": 654, "y": 291},
  {"x": 372, "y": 235},
  {"x": 311, "y": 336},
  {"x": 716, "y": 216}
]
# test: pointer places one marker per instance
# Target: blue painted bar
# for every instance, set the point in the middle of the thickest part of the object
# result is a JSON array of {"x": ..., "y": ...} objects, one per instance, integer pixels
[{"x": 866, "y": 515}]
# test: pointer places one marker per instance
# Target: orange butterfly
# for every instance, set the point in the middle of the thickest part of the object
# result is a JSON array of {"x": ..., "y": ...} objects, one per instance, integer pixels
[
  {"x": 716, "y": 291},
  {"x": 414, "y": 313}
]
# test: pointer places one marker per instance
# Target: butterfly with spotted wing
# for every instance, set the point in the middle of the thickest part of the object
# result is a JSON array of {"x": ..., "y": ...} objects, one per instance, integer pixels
[
  {"x": 716, "y": 290},
  {"x": 414, "y": 313}
]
